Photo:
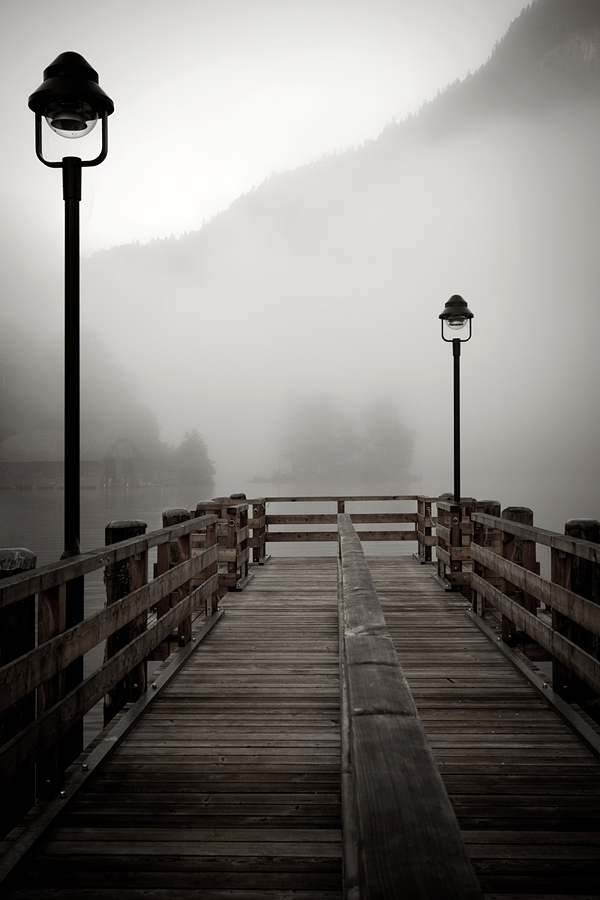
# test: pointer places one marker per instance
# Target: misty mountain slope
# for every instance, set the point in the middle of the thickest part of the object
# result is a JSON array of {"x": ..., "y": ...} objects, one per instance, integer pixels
[{"x": 331, "y": 278}]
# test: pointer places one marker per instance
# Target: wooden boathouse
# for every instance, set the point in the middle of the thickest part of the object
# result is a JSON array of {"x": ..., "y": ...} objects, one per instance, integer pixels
[{"x": 419, "y": 723}]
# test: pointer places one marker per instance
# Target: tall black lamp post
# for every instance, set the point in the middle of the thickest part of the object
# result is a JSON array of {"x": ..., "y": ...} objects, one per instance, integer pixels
[
  {"x": 72, "y": 101},
  {"x": 455, "y": 317}
]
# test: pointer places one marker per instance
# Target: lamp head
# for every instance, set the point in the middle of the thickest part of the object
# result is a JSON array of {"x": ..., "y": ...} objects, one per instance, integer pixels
[
  {"x": 455, "y": 315},
  {"x": 70, "y": 96}
]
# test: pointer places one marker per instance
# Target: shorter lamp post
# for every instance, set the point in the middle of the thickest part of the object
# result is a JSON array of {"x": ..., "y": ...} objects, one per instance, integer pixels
[
  {"x": 71, "y": 100},
  {"x": 455, "y": 316}
]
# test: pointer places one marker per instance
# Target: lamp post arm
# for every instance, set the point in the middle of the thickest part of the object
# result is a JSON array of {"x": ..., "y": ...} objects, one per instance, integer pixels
[{"x": 59, "y": 164}]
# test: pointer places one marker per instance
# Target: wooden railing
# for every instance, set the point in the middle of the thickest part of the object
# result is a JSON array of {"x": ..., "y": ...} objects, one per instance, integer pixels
[
  {"x": 393, "y": 797},
  {"x": 270, "y": 527},
  {"x": 38, "y": 707},
  {"x": 206, "y": 552},
  {"x": 454, "y": 535},
  {"x": 233, "y": 538},
  {"x": 561, "y": 615}
]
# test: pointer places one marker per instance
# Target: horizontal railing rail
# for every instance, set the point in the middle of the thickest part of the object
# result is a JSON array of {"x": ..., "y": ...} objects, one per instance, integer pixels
[
  {"x": 276, "y": 527},
  {"x": 561, "y": 615},
  {"x": 394, "y": 799},
  {"x": 24, "y": 585},
  {"x": 565, "y": 544}
]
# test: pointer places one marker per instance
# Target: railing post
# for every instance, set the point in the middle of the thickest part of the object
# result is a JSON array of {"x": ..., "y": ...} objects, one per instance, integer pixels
[
  {"x": 121, "y": 579},
  {"x": 522, "y": 553},
  {"x": 454, "y": 531},
  {"x": 259, "y": 532},
  {"x": 490, "y": 538},
  {"x": 424, "y": 526},
  {"x": 211, "y": 540},
  {"x": 582, "y": 577},
  {"x": 443, "y": 520},
  {"x": 232, "y": 532},
  {"x": 171, "y": 554},
  {"x": 17, "y": 636},
  {"x": 237, "y": 570},
  {"x": 52, "y": 620},
  {"x": 455, "y": 525}
]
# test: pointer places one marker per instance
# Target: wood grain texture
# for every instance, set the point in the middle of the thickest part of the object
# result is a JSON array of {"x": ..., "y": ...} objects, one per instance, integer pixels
[
  {"x": 525, "y": 791},
  {"x": 408, "y": 839},
  {"x": 230, "y": 785}
]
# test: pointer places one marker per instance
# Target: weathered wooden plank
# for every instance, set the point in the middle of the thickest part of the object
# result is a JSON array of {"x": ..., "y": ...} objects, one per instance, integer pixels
[
  {"x": 47, "y": 577},
  {"x": 243, "y": 757},
  {"x": 581, "y": 663},
  {"x": 42, "y": 734},
  {"x": 573, "y": 546},
  {"x": 347, "y": 499},
  {"x": 510, "y": 766},
  {"x": 387, "y": 535},
  {"x": 19, "y": 678},
  {"x": 331, "y": 518},
  {"x": 301, "y": 536},
  {"x": 202, "y": 781},
  {"x": 402, "y": 810},
  {"x": 582, "y": 611}
]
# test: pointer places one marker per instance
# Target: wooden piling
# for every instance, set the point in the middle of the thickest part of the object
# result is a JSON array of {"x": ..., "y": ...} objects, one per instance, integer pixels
[
  {"x": 17, "y": 636},
  {"x": 523, "y": 553},
  {"x": 258, "y": 525},
  {"x": 491, "y": 539},
  {"x": 169, "y": 555},
  {"x": 581, "y": 576},
  {"x": 424, "y": 530},
  {"x": 121, "y": 578},
  {"x": 52, "y": 620}
]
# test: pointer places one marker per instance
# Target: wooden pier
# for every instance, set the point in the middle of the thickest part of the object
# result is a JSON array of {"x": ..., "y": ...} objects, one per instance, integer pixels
[{"x": 287, "y": 749}]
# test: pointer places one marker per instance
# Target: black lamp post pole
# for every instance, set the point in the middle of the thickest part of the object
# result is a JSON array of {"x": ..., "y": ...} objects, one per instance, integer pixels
[
  {"x": 72, "y": 195},
  {"x": 456, "y": 315},
  {"x": 456, "y": 355},
  {"x": 71, "y": 100}
]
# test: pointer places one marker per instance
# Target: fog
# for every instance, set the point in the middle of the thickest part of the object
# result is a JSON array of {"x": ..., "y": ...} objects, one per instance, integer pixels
[{"x": 327, "y": 282}]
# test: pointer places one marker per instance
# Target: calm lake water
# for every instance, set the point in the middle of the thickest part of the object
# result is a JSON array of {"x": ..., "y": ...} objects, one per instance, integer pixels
[{"x": 33, "y": 518}]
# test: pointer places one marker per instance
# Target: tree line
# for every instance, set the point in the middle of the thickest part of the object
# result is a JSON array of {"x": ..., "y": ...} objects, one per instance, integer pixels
[{"x": 31, "y": 399}]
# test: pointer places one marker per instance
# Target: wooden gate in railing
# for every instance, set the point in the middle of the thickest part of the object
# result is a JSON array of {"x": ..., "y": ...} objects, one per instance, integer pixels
[{"x": 37, "y": 708}]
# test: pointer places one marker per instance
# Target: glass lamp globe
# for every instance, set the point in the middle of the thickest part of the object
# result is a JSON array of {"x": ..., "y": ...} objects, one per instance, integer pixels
[
  {"x": 456, "y": 322},
  {"x": 71, "y": 118}
]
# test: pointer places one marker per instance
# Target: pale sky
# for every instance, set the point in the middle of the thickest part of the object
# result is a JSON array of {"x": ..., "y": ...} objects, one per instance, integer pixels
[{"x": 212, "y": 96}]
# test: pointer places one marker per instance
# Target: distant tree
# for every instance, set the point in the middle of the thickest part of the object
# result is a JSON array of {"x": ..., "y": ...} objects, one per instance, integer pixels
[
  {"x": 318, "y": 438},
  {"x": 387, "y": 444},
  {"x": 31, "y": 390},
  {"x": 190, "y": 460}
]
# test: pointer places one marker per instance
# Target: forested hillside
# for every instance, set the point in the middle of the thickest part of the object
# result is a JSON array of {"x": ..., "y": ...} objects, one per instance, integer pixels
[{"x": 328, "y": 281}]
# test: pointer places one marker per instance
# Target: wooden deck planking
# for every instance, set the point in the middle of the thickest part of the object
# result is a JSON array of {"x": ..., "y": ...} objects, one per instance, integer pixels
[
  {"x": 230, "y": 785},
  {"x": 526, "y": 792},
  {"x": 231, "y": 782}
]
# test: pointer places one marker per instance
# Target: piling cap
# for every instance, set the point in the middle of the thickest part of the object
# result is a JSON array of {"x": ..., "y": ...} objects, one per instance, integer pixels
[{"x": 16, "y": 559}]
